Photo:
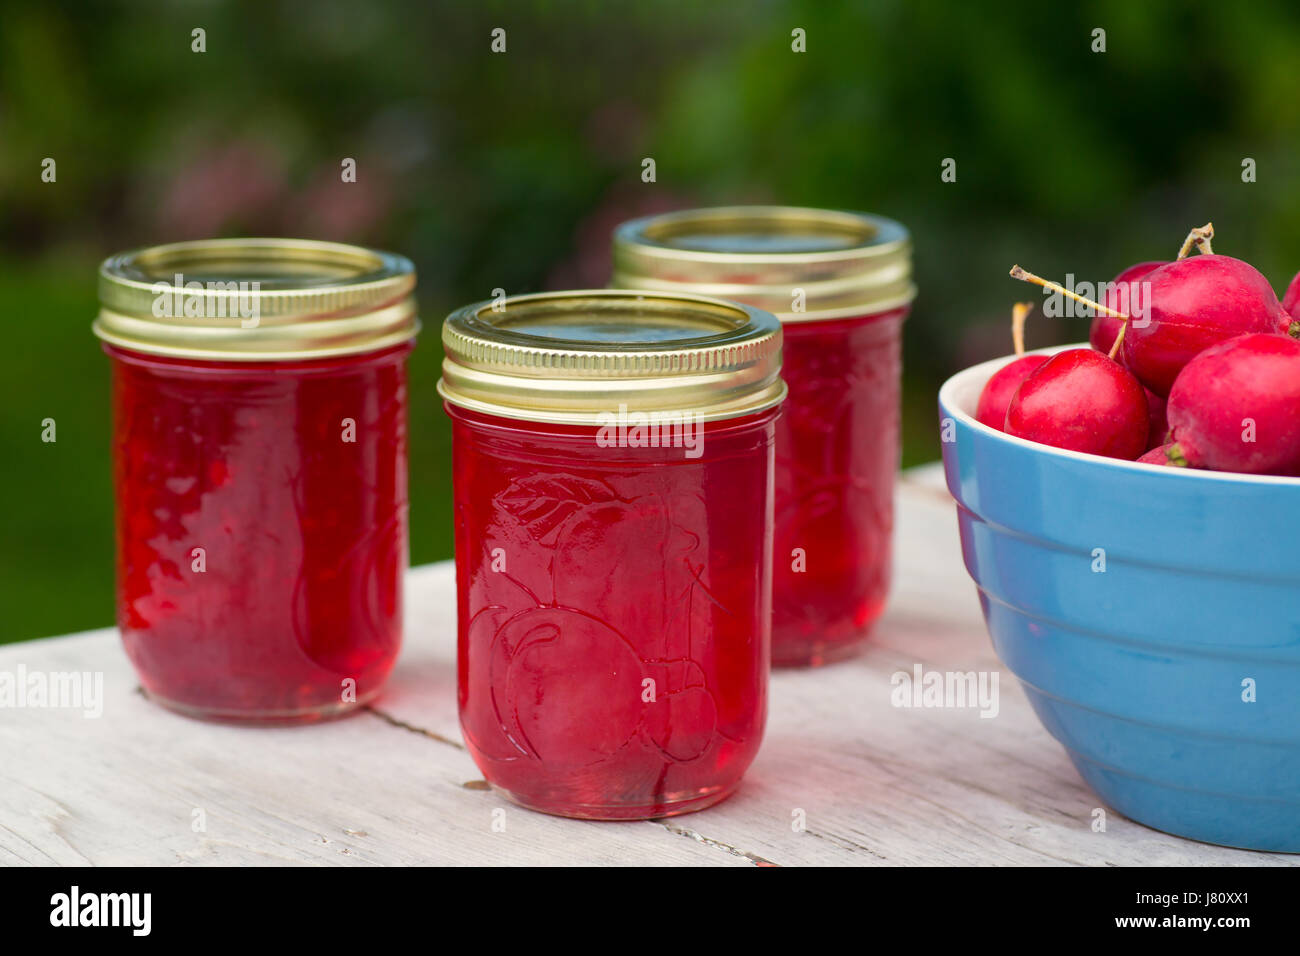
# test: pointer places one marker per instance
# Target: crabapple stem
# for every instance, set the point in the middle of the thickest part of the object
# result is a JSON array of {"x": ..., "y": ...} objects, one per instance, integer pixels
[
  {"x": 1119, "y": 340},
  {"x": 1019, "y": 312},
  {"x": 1175, "y": 455},
  {"x": 1199, "y": 237},
  {"x": 1023, "y": 276}
]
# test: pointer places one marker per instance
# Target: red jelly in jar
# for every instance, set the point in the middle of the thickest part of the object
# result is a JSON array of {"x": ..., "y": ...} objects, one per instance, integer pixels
[
  {"x": 613, "y": 511},
  {"x": 259, "y": 457},
  {"x": 841, "y": 285}
]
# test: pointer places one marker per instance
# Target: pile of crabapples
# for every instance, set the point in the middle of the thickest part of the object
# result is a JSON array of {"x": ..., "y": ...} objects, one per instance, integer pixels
[{"x": 1194, "y": 363}]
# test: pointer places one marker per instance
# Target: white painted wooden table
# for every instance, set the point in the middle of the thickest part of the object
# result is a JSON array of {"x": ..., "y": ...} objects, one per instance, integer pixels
[{"x": 876, "y": 784}]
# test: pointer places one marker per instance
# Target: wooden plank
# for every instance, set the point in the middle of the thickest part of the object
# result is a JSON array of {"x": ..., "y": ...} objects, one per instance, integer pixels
[
  {"x": 926, "y": 478},
  {"x": 124, "y": 788},
  {"x": 877, "y": 784}
]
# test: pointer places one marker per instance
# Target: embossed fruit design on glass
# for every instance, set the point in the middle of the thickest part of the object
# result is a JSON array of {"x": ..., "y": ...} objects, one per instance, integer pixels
[
  {"x": 259, "y": 456},
  {"x": 613, "y": 511},
  {"x": 841, "y": 285}
]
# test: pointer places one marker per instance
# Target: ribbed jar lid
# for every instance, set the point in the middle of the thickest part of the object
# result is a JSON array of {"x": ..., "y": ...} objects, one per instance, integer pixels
[
  {"x": 843, "y": 263},
  {"x": 578, "y": 357},
  {"x": 256, "y": 300}
]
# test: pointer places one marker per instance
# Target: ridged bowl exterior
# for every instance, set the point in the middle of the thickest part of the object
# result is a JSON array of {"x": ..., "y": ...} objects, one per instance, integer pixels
[{"x": 1141, "y": 670}]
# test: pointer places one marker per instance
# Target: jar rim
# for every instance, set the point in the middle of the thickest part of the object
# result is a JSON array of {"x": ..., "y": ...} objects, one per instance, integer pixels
[
  {"x": 577, "y": 357},
  {"x": 256, "y": 299}
]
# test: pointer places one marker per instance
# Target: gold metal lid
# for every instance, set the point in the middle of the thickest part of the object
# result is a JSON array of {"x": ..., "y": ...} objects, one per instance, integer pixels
[
  {"x": 256, "y": 300},
  {"x": 846, "y": 263},
  {"x": 578, "y": 357}
]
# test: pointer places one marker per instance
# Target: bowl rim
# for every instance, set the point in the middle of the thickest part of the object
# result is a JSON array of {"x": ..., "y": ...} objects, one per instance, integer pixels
[{"x": 981, "y": 373}]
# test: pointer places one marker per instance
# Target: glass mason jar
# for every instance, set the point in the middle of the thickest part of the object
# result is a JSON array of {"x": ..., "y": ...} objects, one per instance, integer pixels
[
  {"x": 259, "y": 457},
  {"x": 612, "y": 460},
  {"x": 841, "y": 285}
]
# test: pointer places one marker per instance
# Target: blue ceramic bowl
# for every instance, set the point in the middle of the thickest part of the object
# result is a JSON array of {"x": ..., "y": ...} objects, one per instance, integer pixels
[{"x": 1144, "y": 671}]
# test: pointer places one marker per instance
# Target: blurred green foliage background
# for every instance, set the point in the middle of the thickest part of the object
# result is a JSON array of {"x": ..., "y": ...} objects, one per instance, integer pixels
[{"x": 511, "y": 169}]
